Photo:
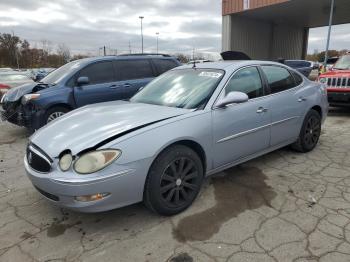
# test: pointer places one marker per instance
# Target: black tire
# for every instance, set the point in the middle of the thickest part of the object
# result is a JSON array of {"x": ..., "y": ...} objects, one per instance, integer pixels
[
  {"x": 174, "y": 180},
  {"x": 310, "y": 132},
  {"x": 58, "y": 110}
]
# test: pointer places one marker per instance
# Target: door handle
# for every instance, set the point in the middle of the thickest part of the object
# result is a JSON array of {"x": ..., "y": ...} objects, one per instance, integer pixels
[
  {"x": 113, "y": 86},
  {"x": 301, "y": 99},
  {"x": 127, "y": 85},
  {"x": 261, "y": 110}
]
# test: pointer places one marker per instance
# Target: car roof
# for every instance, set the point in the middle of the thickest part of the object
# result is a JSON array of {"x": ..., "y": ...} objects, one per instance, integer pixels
[
  {"x": 228, "y": 65},
  {"x": 124, "y": 57}
]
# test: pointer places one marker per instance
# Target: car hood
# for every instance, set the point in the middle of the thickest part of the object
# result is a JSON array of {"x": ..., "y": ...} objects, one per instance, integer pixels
[
  {"x": 337, "y": 73},
  {"x": 16, "y": 93},
  {"x": 88, "y": 126}
]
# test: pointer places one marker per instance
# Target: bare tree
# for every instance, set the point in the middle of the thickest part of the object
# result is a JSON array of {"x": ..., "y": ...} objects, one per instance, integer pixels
[
  {"x": 63, "y": 52},
  {"x": 10, "y": 44}
]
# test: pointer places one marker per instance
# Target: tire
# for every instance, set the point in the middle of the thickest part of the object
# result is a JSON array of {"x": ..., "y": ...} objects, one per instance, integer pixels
[
  {"x": 168, "y": 191},
  {"x": 310, "y": 132},
  {"x": 54, "y": 113}
]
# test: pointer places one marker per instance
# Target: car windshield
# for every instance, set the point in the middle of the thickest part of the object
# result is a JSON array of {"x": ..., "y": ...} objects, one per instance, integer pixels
[
  {"x": 54, "y": 77},
  {"x": 182, "y": 88},
  {"x": 343, "y": 63},
  {"x": 14, "y": 77}
]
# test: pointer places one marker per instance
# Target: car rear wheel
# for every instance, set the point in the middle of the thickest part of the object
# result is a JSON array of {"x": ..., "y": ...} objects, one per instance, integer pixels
[
  {"x": 54, "y": 113},
  {"x": 174, "y": 180},
  {"x": 310, "y": 132}
]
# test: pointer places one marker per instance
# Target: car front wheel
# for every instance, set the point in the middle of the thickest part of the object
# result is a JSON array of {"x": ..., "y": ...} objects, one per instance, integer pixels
[
  {"x": 174, "y": 180},
  {"x": 54, "y": 113},
  {"x": 310, "y": 132}
]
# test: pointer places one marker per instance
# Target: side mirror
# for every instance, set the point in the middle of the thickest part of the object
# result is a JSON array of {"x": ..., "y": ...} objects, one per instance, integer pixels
[
  {"x": 233, "y": 98},
  {"x": 83, "y": 80}
]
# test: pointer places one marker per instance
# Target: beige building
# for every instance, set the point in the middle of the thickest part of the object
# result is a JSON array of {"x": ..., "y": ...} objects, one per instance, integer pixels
[{"x": 271, "y": 29}]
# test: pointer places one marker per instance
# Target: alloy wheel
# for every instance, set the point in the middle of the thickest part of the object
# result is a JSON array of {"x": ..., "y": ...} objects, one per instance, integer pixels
[
  {"x": 179, "y": 182},
  {"x": 54, "y": 115},
  {"x": 312, "y": 131}
]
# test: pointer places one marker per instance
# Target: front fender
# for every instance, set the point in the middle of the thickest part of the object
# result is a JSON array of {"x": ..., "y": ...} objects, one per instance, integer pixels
[{"x": 148, "y": 143}]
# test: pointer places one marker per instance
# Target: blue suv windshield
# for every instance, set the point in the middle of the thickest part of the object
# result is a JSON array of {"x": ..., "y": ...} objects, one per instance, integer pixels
[{"x": 54, "y": 77}]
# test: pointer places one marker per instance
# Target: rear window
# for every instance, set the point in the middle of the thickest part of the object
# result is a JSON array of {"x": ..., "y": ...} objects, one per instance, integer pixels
[
  {"x": 164, "y": 65},
  {"x": 133, "y": 69}
]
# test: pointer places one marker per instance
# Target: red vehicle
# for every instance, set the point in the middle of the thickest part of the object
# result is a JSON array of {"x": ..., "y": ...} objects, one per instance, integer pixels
[{"x": 338, "y": 82}]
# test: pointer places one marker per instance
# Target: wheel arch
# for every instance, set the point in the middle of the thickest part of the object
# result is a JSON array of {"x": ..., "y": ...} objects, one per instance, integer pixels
[
  {"x": 190, "y": 143},
  {"x": 318, "y": 109},
  {"x": 65, "y": 105}
]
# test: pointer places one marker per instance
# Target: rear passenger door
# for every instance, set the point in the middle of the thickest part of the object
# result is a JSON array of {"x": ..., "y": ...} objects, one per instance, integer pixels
[
  {"x": 133, "y": 74},
  {"x": 163, "y": 65},
  {"x": 286, "y": 102},
  {"x": 102, "y": 84}
]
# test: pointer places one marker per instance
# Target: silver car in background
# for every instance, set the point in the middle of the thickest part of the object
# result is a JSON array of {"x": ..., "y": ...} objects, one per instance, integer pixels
[
  {"x": 11, "y": 79},
  {"x": 186, "y": 124}
]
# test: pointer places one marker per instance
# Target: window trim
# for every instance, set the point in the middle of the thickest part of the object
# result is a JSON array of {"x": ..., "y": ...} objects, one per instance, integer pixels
[
  {"x": 263, "y": 82},
  {"x": 301, "y": 76}
]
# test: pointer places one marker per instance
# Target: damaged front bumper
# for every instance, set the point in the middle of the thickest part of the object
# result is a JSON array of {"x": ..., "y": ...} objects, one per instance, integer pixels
[{"x": 16, "y": 113}]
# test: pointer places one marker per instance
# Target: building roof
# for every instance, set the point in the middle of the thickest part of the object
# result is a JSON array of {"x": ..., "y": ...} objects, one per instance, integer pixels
[{"x": 310, "y": 13}]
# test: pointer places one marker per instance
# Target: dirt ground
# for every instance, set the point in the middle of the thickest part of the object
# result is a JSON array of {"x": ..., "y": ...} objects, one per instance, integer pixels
[{"x": 284, "y": 206}]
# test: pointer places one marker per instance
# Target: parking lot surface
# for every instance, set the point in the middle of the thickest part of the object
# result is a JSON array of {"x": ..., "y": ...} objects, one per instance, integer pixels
[{"x": 284, "y": 206}]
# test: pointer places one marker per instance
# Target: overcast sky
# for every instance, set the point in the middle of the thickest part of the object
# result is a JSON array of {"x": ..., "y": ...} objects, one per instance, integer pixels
[{"x": 87, "y": 25}]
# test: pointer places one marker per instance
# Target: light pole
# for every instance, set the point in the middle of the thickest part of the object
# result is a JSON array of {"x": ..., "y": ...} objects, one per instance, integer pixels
[
  {"x": 157, "y": 41},
  {"x": 329, "y": 33},
  {"x": 141, "y": 18}
]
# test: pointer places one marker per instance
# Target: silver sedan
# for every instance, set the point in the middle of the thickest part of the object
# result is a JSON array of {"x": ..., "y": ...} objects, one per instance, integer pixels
[{"x": 186, "y": 124}]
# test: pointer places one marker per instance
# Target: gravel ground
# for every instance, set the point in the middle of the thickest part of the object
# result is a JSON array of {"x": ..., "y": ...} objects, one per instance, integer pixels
[{"x": 284, "y": 206}]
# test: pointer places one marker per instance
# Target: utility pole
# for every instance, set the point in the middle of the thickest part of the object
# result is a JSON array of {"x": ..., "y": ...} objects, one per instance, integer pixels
[
  {"x": 141, "y": 18},
  {"x": 329, "y": 33},
  {"x": 104, "y": 50},
  {"x": 157, "y": 41},
  {"x": 15, "y": 51},
  {"x": 129, "y": 47}
]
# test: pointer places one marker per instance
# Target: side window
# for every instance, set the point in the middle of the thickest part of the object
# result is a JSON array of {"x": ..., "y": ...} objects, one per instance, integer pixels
[
  {"x": 133, "y": 69},
  {"x": 247, "y": 81},
  {"x": 164, "y": 65},
  {"x": 279, "y": 78},
  {"x": 98, "y": 73},
  {"x": 298, "y": 79}
]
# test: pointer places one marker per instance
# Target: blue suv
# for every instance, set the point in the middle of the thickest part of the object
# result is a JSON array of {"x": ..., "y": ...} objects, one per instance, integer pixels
[{"x": 82, "y": 82}]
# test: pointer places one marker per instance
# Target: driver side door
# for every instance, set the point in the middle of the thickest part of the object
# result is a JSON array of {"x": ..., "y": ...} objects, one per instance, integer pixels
[{"x": 240, "y": 130}]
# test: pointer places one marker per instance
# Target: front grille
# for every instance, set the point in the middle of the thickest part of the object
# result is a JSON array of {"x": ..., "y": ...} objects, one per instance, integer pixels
[
  {"x": 338, "y": 82},
  {"x": 38, "y": 160},
  {"x": 48, "y": 195}
]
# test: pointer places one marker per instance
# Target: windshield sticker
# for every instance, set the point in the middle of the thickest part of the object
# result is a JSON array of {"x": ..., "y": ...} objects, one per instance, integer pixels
[{"x": 210, "y": 74}]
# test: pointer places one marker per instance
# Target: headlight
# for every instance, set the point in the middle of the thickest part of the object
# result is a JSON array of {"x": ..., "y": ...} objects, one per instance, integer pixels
[
  {"x": 323, "y": 80},
  {"x": 29, "y": 97},
  {"x": 94, "y": 161},
  {"x": 65, "y": 162}
]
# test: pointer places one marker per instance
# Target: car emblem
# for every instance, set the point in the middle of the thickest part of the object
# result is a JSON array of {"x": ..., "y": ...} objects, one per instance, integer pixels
[{"x": 30, "y": 157}]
